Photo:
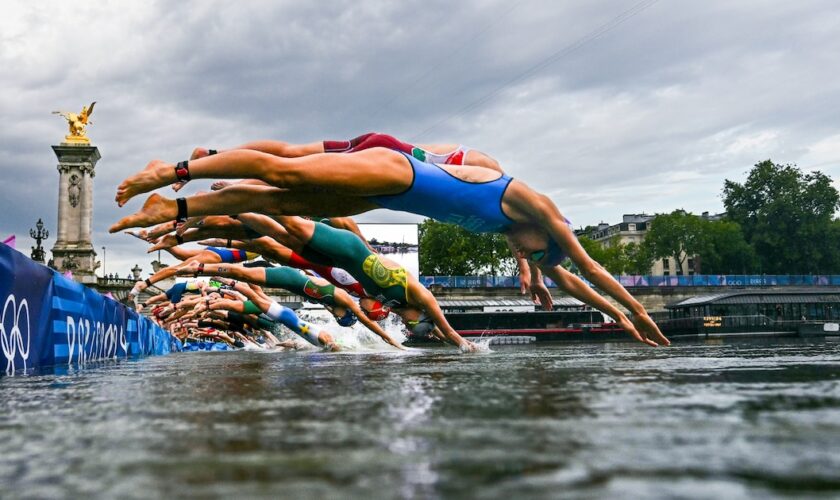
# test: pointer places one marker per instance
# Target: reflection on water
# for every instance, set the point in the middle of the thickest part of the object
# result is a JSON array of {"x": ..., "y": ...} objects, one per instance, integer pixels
[{"x": 743, "y": 420}]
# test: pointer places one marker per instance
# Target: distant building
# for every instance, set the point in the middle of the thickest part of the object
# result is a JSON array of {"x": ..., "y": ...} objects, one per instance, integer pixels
[{"x": 632, "y": 229}]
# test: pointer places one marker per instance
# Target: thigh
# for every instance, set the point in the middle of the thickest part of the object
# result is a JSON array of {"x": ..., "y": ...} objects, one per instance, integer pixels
[
  {"x": 372, "y": 172},
  {"x": 317, "y": 204}
]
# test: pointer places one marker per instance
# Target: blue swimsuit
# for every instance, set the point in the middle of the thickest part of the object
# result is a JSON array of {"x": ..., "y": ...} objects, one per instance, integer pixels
[
  {"x": 232, "y": 255},
  {"x": 435, "y": 193}
]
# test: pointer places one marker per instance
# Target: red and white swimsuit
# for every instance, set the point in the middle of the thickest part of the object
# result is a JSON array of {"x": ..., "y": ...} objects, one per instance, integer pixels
[{"x": 374, "y": 140}]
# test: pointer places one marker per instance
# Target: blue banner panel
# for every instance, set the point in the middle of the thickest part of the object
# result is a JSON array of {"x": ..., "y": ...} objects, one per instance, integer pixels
[
  {"x": 49, "y": 320},
  {"x": 86, "y": 325},
  {"x": 25, "y": 289}
]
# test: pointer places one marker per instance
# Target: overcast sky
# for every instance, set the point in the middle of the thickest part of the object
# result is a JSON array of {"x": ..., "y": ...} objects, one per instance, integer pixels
[{"x": 609, "y": 107}]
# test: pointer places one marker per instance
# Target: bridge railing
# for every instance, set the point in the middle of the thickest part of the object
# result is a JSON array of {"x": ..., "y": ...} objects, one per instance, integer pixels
[
  {"x": 632, "y": 281},
  {"x": 111, "y": 281}
]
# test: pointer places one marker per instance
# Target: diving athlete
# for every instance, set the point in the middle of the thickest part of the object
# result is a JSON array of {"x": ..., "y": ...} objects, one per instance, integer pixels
[
  {"x": 477, "y": 198},
  {"x": 338, "y": 302}
]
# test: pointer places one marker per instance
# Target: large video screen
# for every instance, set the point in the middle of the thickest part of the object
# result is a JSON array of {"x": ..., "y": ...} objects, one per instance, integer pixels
[{"x": 398, "y": 242}]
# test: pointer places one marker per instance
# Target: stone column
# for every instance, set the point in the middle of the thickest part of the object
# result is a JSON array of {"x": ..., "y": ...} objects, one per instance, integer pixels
[
  {"x": 73, "y": 250},
  {"x": 63, "y": 170},
  {"x": 87, "y": 203}
]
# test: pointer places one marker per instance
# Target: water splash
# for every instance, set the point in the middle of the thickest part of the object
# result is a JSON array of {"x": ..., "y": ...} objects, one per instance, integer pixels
[
  {"x": 356, "y": 337},
  {"x": 483, "y": 345}
]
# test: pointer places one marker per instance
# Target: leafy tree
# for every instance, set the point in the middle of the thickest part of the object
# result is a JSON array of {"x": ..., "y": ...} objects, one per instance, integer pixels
[
  {"x": 725, "y": 250},
  {"x": 786, "y": 215},
  {"x": 450, "y": 250},
  {"x": 678, "y": 235},
  {"x": 832, "y": 264},
  {"x": 618, "y": 258},
  {"x": 638, "y": 257}
]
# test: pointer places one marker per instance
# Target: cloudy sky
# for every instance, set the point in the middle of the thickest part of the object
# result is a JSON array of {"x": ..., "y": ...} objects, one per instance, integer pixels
[{"x": 609, "y": 107}]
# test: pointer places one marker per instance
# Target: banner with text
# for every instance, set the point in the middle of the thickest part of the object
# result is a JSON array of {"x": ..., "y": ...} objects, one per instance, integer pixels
[{"x": 49, "y": 320}]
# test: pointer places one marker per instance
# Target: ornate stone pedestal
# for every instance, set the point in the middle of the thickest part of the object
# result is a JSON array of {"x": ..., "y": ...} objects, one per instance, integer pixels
[{"x": 73, "y": 250}]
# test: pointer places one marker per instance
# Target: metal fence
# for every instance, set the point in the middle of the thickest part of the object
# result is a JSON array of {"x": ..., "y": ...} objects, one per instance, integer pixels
[{"x": 711, "y": 280}]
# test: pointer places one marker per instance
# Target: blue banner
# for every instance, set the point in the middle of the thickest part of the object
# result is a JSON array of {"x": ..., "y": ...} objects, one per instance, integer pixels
[
  {"x": 712, "y": 280},
  {"x": 25, "y": 299},
  {"x": 49, "y": 320}
]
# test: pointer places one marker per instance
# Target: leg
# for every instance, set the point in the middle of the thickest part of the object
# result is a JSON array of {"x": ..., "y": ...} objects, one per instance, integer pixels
[
  {"x": 203, "y": 257},
  {"x": 238, "y": 199},
  {"x": 235, "y": 271},
  {"x": 368, "y": 173},
  {"x": 183, "y": 253},
  {"x": 344, "y": 146},
  {"x": 284, "y": 149}
]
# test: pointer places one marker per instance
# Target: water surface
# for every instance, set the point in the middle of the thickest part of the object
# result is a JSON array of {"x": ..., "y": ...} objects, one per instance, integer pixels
[{"x": 735, "y": 420}]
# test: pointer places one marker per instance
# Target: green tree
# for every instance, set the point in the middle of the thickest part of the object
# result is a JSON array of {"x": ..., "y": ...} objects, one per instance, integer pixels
[
  {"x": 638, "y": 257},
  {"x": 618, "y": 258},
  {"x": 832, "y": 264},
  {"x": 450, "y": 250},
  {"x": 787, "y": 217},
  {"x": 725, "y": 250},
  {"x": 678, "y": 235}
]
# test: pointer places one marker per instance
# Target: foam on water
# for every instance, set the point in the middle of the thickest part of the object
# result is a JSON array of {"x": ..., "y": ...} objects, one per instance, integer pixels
[{"x": 356, "y": 337}]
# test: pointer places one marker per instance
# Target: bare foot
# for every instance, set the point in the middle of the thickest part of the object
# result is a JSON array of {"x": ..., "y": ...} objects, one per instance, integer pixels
[
  {"x": 157, "y": 209},
  {"x": 167, "y": 241},
  {"x": 161, "y": 229},
  {"x": 191, "y": 222},
  {"x": 216, "y": 186},
  {"x": 199, "y": 153},
  {"x": 142, "y": 234},
  {"x": 156, "y": 174}
]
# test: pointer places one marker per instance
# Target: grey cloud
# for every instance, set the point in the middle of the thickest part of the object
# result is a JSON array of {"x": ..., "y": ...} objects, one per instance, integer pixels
[{"x": 651, "y": 116}]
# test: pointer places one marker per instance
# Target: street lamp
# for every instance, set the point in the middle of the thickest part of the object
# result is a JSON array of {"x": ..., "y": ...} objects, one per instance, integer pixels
[
  {"x": 39, "y": 234},
  {"x": 103, "y": 261}
]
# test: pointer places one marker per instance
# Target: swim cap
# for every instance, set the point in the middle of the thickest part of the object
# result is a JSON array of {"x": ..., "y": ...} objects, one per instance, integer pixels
[
  {"x": 553, "y": 255},
  {"x": 377, "y": 311},
  {"x": 349, "y": 319},
  {"x": 422, "y": 327}
]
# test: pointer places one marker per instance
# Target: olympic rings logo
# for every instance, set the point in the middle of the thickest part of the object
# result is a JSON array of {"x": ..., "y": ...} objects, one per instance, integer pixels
[
  {"x": 93, "y": 341},
  {"x": 12, "y": 338}
]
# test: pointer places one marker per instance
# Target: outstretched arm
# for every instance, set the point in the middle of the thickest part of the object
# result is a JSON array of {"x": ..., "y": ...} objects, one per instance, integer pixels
[
  {"x": 343, "y": 298},
  {"x": 161, "y": 297},
  {"x": 228, "y": 305},
  {"x": 523, "y": 265},
  {"x": 575, "y": 287},
  {"x": 183, "y": 253},
  {"x": 235, "y": 271},
  {"x": 595, "y": 273},
  {"x": 422, "y": 297},
  {"x": 539, "y": 292}
]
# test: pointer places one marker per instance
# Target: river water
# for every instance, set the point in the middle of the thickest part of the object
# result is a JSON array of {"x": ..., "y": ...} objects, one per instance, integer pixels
[{"x": 725, "y": 420}]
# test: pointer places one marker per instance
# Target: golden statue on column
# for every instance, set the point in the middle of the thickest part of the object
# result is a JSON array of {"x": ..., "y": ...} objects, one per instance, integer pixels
[{"x": 77, "y": 124}]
